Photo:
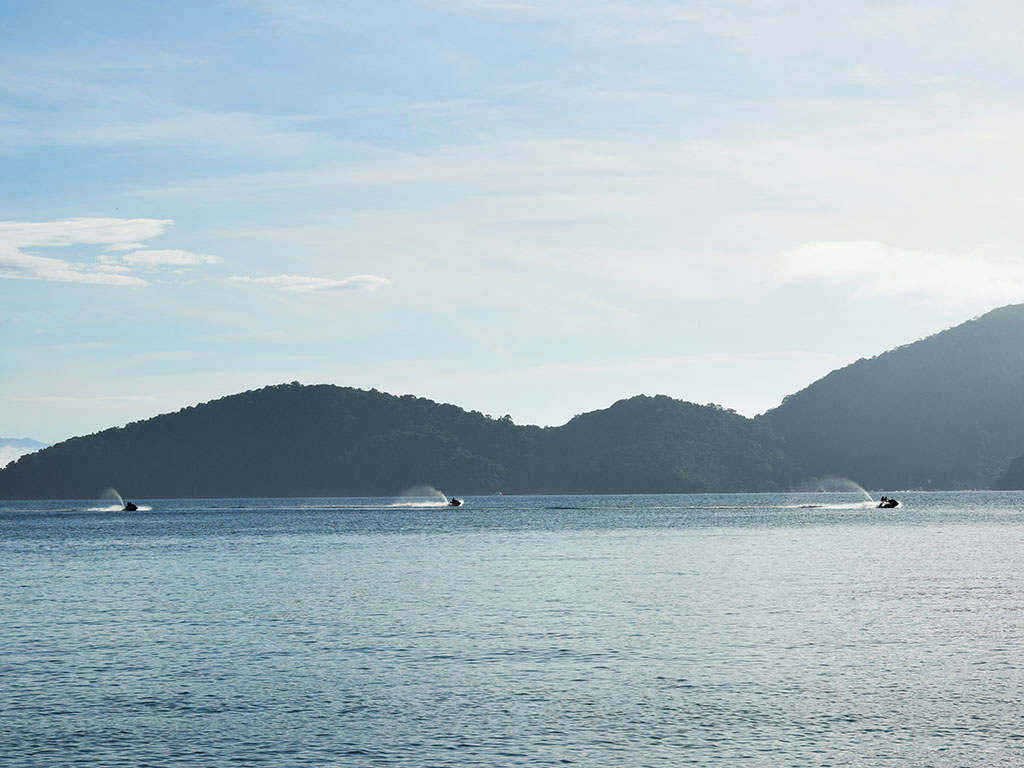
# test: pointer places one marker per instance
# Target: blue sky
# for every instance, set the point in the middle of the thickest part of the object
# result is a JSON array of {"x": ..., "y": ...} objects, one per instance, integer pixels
[{"x": 531, "y": 208}]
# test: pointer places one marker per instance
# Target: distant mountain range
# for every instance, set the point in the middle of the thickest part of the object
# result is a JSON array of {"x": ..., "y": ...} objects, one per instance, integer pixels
[
  {"x": 294, "y": 440},
  {"x": 13, "y": 447},
  {"x": 945, "y": 412}
]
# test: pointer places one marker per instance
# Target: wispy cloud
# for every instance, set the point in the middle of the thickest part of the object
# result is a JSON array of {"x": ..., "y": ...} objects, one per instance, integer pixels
[
  {"x": 15, "y": 265},
  {"x": 110, "y": 232},
  {"x": 173, "y": 258},
  {"x": 9, "y": 453},
  {"x": 221, "y": 132},
  {"x": 303, "y": 284},
  {"x": 878, "y": 270},
  {"x": 18, "y": 263}
]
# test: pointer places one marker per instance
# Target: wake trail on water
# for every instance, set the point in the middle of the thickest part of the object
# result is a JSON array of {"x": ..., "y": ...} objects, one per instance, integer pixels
[
  {"x": 416, "y": 504},
  {"x": 420, "y": 497},
  {"x": 855, "y": 505},
  {"x": 116, "y": 508},
  {"x": 110, "y": 494},
  {"x": 859, "y": 505}
]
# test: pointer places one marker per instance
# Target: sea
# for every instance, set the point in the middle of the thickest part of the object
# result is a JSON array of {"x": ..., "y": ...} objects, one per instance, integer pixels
[{"x": 729, "y": 630}]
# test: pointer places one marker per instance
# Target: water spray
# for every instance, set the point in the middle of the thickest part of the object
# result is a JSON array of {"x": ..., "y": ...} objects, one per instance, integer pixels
[{"x": 834, "y": 484}]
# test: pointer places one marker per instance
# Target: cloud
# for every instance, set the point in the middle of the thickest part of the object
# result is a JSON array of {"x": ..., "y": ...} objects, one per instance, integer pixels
[
  {"x": 111, "y": 232},
  {"x": 874, "y": 270},
  {"x": 16, "y": 263},
  {"x": 9, "y": 453},
  {"x": 302, "y": 284},
  {"x": 12, "y": 449},
  {"x": 167, "y": 258}
]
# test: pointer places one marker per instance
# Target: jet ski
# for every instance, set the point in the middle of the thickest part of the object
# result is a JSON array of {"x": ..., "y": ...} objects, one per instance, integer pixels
[
  {"x": 455, "y": 502},
  {"x": 887, "y": 503},
  {"x": 130, "y": 507}
]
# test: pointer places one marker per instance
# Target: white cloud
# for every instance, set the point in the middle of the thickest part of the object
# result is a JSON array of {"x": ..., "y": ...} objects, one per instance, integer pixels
[
  {"x": 176, "y": 258},
  {"x": 126, "y": 247},
  {"x": 110, "y": 232},
  {"x": 16, "y": 263},
  {"x": 9, "y": 453},
  {"x": 302, "y": 284},
  {"x": 879, "y": 271}
]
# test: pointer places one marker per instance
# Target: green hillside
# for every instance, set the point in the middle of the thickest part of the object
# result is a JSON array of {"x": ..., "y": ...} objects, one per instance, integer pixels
[
  {"x": 944, "y": 412},
  {"x": 293, "y": 440},
  {"x": 657, "y": 444}
]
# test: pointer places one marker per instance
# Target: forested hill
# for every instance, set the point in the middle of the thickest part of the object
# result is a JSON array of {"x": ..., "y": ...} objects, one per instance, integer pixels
[
  {"x": 658, "y": 444},
  {"x": 944, "y": 412},
  {"x": 294, "y": 440}
]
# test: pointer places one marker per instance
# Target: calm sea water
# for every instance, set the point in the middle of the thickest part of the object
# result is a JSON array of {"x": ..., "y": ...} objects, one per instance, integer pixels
[{"x": 759, "y": 630}]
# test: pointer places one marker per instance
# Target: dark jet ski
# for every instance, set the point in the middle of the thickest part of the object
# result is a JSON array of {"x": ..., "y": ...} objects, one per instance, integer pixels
[
  {"x": 455, "y": 502},
  {"x": 887, "y": 503},
  {"x": 130, "y": 507}
]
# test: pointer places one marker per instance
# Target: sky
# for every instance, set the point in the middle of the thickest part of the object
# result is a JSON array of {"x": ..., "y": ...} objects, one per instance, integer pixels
[{"x": 522, "y": 207}]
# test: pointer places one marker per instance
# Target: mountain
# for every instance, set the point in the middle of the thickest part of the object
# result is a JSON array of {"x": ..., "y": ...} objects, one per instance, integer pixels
[
  {"x": 944, "y": 412},
  {"x": 285, "y": 440},
  {"x": 661, "y": 445},
  {"x": 294, "y": 440},
  {"x": 13, "y": 447}
]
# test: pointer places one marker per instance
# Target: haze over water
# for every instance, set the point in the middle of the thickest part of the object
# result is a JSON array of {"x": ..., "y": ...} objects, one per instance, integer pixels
[{"x": 762, "y": 630}]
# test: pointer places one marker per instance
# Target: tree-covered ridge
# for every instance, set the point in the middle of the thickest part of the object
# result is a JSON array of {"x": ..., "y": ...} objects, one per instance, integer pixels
[
  {"x": 287, "y": 440},
  {"x": 658, "y": 444},
  {"x": 1012, "y": 476},
  {"x": 944, "y": 412},
  {"x": 294, "y": 440}
]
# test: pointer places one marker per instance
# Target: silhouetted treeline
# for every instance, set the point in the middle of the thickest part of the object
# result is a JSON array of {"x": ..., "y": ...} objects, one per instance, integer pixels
[
  {"x": 944, "y": 412},
  {"x": 293, "y": 440},
  {"x": 1012, "y": 477}
]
